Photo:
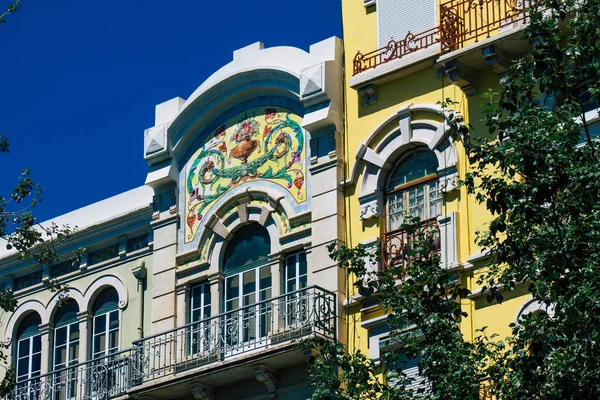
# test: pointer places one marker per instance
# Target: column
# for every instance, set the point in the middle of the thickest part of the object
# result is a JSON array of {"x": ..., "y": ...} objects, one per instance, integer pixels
[{"x": 277, "y": 263}]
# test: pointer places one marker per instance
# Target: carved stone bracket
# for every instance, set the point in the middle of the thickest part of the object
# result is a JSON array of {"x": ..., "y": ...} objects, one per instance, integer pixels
[
  {"x": 461, "y": 76},
  {"x": 495, "y": 59},
  {"x": 368, "y": 95},
  {"x": 201, "y": 392},
  {"x": 369, "y": 210},
  {"x": 449, "y": 183},
  {"x": 265, "y": 375}
]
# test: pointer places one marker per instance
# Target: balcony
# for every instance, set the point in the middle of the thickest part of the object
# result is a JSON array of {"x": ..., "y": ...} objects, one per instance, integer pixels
[
  {"x": 397, "y": 246},
  {"x": 157, "y": 364},
  {"x": 465, "y": 27}
]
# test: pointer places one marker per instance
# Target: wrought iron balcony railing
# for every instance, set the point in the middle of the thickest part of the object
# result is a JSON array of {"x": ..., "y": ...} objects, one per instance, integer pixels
[
  {"x": 468, "y": 21},
  {"x": 306, "y": 312},
  {"x": 462, "y": 22},
  {"x": 395, "y": 49},
  {"x": 398, "y": 246}
]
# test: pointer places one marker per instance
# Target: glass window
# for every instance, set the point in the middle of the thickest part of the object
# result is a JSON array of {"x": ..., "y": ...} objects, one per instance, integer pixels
[
  {"x": 66, "y": 350},
  {"x": 296, "y": 278},
  {"x": 105, "y": 333},
  {"x": 248, "y": 284},
  {"x": 413, "y": 189},
  {"x": 199, "y": 311},
  {"x": 250, "y": 246},
  {"x": 29, "y": 351}
]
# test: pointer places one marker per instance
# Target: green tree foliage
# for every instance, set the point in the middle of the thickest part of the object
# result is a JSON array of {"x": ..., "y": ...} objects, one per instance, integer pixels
[
  {"x": 423, "y": 302},
  {"x": 35, "y": 244},
  {"x": 538, "y": 174},
  {"x": 12, "y": 8},
  {"x": 545, "y": 199},
  {"x": 19, "y": 231}
]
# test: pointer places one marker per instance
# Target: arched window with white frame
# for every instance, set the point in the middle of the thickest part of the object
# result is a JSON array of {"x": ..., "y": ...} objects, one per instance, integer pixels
[
  {"x": 413, "y": 189},
  {"x": 106, "y": 324},
  {"x": 66, "y": 350},
  {"x": 28, "y": 356}
]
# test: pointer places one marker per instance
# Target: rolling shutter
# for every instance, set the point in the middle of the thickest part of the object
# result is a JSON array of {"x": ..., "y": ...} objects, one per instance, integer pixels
[{"x": 395, "y": 18}]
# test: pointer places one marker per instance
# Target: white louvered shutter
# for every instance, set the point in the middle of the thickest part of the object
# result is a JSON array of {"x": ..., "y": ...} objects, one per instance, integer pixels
[
  {"x": 411, "y": 369},
  {"x": 395, "y": 18}
]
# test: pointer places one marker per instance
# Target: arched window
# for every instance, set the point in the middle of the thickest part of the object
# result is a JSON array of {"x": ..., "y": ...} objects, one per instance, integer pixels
[
  {"x": 250, "y": 246},
  {"x": 66, "y": 348},
  {"x": 105, "y": 333},
  {"x": 29, "y": 349},
  {"x": 413, "y": 189},
  {"x": 248, "y": 280}
]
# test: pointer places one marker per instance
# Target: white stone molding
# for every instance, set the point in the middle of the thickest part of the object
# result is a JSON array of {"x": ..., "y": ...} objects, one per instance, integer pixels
[
  {"x": 69, "y": 293},
  {"x": 448, "y": 247},
  {"x": 102, "y": 283},
  {"x": 532, "y": 306},
  {"x": 380, "y": 151},
  {"x": 369, "y": 209},
  {"x": 265, "y": 375},
  {"x": 201, "y": 392},
  {"x": 20, "y": 313},
  {"x": 228, "y": 227}
]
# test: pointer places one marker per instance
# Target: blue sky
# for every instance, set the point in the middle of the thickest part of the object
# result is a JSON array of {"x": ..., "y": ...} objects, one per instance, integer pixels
[{"x": 80, "y": 79}]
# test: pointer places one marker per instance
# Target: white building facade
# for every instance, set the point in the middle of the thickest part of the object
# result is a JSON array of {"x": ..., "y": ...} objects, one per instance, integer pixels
[{"x": 201, "y": 282}]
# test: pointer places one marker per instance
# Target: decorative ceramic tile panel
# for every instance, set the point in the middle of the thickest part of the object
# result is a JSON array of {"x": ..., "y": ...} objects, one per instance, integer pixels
[{"x": 259, "y": 144}]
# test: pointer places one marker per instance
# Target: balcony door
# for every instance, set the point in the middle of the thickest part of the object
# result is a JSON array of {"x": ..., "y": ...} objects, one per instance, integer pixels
[{"x": 248, "y": 283}]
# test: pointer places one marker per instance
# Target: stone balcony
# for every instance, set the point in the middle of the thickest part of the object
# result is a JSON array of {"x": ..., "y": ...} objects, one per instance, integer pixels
[{"x": 250, "y": 343}]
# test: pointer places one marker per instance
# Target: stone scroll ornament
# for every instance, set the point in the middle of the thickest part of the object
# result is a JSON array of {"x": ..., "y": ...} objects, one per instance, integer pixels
[{"x": 260, "y": 144}]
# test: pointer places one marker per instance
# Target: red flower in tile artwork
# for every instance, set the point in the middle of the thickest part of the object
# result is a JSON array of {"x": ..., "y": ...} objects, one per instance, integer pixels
[
  {"x": 298, "y": 182},
  {"x": 190, "y": 220}
]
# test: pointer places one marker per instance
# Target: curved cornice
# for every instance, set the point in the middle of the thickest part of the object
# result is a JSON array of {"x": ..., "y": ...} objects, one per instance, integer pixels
[{"x": 225, "y": 94}]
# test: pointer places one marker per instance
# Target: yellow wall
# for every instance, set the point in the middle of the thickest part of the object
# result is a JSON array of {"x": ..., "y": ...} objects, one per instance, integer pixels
[{"x": 360, "y": 34}]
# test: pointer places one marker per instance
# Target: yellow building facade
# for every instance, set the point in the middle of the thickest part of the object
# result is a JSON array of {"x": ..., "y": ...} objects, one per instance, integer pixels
[{"x": 401, "y": 60}]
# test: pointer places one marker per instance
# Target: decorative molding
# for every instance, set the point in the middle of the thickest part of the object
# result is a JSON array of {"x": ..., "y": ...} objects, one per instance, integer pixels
[
  {"x": 461, "y": 76},
  {"x": 369, "y": 210},
  {"x": 495, "y": 59},
  {"x": 367, "y": 95},
  {"x": 201, "y": 392},
  {"x": 265, "y": 375},
  {"x": 106, "y": 281},
  {"x": 532, "y": 306},
  {"x": 386, "y": 145},
  {"x": 449, "y": 183},
  {"x": 311, "y": 81}
]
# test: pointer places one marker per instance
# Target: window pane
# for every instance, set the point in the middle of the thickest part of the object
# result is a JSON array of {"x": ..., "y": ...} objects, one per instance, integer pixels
[
  {"x": 37, "y": 343},
  {"x": 74, "y": 334},
  {"x": 74, "y": 352},
  {"x": 233, "y": 287},
  {"x": 113, "y": 322},
  {"x": 265, "y": 294},
  {"x": 60, "y": 355},
  {"x": 23, "y": 367},
  {"x": 113, "y": 340},
  {"x": 23, "y": 347},
  {"x": 249, "y": 282},
  {"x": 291, "y": 267},
  {"x": 303, "y": 282},
  {"x": 99, "y": 343},
  {"x": 395, "y": 211},
  {"x": 291, "y": 286},
  {"x": 302, "y": 261},
  {"x": 36, "y": 362},
  {"x": 206, "y": 289},
  {"x": 265, "y": 277},
  {"x": 99, "y": 323},
  {"x": 61, "y": 336}
]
